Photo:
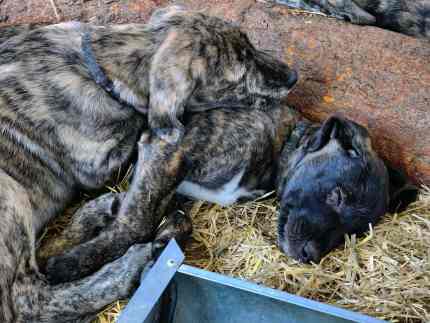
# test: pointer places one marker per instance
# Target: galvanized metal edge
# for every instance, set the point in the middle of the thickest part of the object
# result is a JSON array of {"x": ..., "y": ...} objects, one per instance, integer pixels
[
  {"x": 276, "y": 294},
  {"x": 142, "y": 305}
]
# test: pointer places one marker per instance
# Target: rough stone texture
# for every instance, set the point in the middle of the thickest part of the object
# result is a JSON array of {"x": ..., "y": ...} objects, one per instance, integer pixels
[{"x": 376, "y": 77}]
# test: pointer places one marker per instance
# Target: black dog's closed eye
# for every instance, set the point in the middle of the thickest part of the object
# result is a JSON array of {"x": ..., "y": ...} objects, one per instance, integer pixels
[{"x": 336, "y": 198}]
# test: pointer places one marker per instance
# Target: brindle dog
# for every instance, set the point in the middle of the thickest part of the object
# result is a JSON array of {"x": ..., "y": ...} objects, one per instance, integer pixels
[
  {"x": 62, "y": 130},
  {"x": 410, "y": 17},
  {"x": 329, "y": 180}
]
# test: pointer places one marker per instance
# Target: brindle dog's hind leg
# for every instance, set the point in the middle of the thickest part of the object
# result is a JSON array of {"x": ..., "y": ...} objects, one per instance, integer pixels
[
  {"x": 91, "y": 219},
  {"x": 86, "y": 223},
  {"x": 96, "y": 215},
  {"x": 24, "y": 294},
  {"x": 81, "y": 300},
  {"x": 160, "y": 168}
]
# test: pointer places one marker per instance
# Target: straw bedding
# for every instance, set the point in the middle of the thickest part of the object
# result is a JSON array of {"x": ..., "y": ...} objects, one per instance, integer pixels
[{"x": 385, "y": 274}]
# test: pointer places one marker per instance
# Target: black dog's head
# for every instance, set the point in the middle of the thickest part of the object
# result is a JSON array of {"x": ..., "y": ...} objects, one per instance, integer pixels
[{"x": 333, "y": 184}]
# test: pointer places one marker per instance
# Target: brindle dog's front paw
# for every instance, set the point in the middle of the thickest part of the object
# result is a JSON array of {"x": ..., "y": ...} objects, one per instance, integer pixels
[
  {"x": 170, "y": 135},
  {"x": 157, "y": 156},
  {"x": 165, "y": 126}
]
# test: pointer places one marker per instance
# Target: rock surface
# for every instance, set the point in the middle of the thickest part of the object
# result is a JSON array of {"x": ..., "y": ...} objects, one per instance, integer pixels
[{"x": 378, "y": 78}]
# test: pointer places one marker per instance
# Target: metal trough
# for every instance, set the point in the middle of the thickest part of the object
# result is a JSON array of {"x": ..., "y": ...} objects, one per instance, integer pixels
[{"x": 193, "y": 295}]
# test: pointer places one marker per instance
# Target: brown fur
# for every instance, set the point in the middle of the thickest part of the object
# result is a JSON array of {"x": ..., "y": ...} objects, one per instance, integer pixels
[
  {"x": 216, "y": 146},
  {"x": 61, "y": 132}
]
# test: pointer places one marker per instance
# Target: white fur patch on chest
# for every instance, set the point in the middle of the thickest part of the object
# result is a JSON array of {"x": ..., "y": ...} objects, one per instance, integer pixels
[{"x": 226, "y": 195}]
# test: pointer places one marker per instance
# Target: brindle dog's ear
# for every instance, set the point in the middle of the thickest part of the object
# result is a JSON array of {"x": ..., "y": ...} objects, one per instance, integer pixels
[
  {"x": 402, "y": 192},
  {"x": 172, "y": 81}
]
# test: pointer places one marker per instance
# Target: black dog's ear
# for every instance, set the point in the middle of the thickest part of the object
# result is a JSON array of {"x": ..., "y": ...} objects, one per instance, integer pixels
[
  {"x": 328, "y": 129},
  {"x": 334, "y": 126},
  {"x": 402, "y": 191}
]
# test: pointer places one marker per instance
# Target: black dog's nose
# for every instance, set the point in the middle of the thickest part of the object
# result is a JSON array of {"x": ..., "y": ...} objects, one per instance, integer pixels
[
  {"x": 304, "y": 256},
  {"x": 292, "y": 79},
  {"x": 310, "y": 253}
]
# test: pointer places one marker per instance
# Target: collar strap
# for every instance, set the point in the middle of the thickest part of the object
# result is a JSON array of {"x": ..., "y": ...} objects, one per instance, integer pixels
[{"x": 97, "y": 73}]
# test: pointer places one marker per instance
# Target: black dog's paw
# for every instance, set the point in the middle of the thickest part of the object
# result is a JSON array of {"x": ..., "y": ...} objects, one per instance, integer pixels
[{"x": 177, "y": 225}]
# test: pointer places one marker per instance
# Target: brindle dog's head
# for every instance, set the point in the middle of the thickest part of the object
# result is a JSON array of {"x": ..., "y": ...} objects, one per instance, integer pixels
[
  {"x": 331, "y": 185},
  {"x": 205, "y": 62}
]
